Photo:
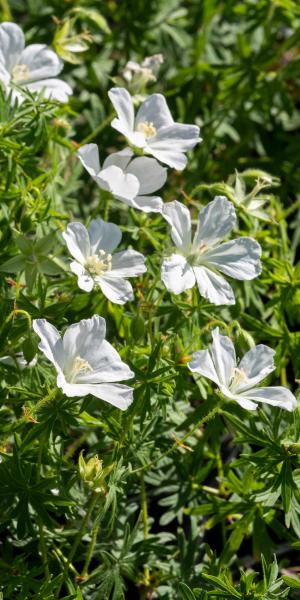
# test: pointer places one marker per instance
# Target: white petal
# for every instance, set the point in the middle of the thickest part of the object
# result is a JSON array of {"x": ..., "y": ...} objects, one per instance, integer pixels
[
  {"x": 56, "y": 89},
  {"x": 41, "y": 61},
  {"x": 215, "y": 221},
  {"x": 178, "y": 216},
  {"x": 11, "y": 44},
  {"x": 119, "y": 159},
  {"x": 115, "y": 394},
  {"x": 118, "y": 291},
  {"x": 4, "y": 76},
  {"x": 241, "y": 400},
  {"x": 119, "y": 183},
  {"x": 276, "y": 396},
  {"x": 237, "y": 258},
  {"x": 107, "y": 365},
  {"x": 127, "y": 264},
  {"x": 148, "y": 203},
  {"x": 257, "y": 363},
  {"x": 202, "y": 363},
  {"x": 51, "y": 342},
  {"x": 213, "y": 287},
  {"x": 168, "y": 156},
  {"x": 183, "y": 137},
  {"x": 84, "y": 339},
  {"x": 77, "y": 240},
  {"x": 123, "y": 105},
  {"x": 223, "y": 355},
  {"x": 177, "y": 274},
  {"x": 150, "y": 174},
  {"x": 104, "y": 236},
  {"x": 154, "y": 110},
  {"x": 89, "y": 157},
  {"x": 85, "y": 281}
]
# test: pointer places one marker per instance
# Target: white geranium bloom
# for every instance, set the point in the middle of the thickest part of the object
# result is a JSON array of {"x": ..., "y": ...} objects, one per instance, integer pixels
[
  {"x": 94, "y": 263},
  {"x": 238, "y": 380},
  {"x": 34, "y": 68},
  {"x": 85, "y": 362},
  {"x": 153, "y": 128},
  {"x": 199, "y": 260},
  {"x": 128, "y": 180}
]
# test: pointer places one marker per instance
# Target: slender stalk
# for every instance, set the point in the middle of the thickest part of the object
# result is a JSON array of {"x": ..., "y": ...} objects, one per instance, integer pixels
[
  {"x": 42, "y": 543},
  {"x": 179, "y": 443},
  {"x": 90, "y": 549},
  {"x": 18, "y": 311},
  {"x": 29, "y": 414},
  {"x": 6, "y": 14},
  {"x": 85, "y": 520},
  {"x": 145, "y": 523},
  {"x": 98, "y": 130}
]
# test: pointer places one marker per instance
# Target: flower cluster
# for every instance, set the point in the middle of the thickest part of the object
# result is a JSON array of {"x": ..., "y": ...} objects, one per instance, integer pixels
[{"x": 85, "y": 362}]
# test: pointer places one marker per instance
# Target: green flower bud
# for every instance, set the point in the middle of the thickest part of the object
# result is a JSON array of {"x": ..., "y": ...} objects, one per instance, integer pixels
[{"x": 92, "y": 473}]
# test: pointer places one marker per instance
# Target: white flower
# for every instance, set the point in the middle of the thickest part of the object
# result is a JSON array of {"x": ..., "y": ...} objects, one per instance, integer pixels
[
  {"x": 34, "y": 68},
  {"x": 153, "y": 128},
  {"x": 138, "y": 75},
  {"x": 199, "y": 260},
  {"x": 94, "y": 263},
  {"x": 238, "y": 380},
  {"x": 85, "y": 362},
  {"x": 128, "y": 180}
]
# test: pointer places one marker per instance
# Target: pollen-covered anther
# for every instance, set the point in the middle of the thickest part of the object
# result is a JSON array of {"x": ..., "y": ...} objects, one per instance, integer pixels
[
  {"x": 147, "y": 128},
  {"x": 80, "y": 365},
  {"x": 97, "y": 264},
  {"x": 20, "y": 73},
  {"x": 238, "y": 376}
]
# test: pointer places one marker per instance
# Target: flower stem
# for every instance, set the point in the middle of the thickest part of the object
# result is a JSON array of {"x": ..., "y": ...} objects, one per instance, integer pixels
[
  {"x": 6, "y": 14},
  {"x": 42, "y": 543},
  {"x": 179, "y": 443},
  {"x": 90, "y": 508},
  {"x": 145, "y": 523},
  {"x": 90, "y": 550},
  {"x": 98, "y": 130}
]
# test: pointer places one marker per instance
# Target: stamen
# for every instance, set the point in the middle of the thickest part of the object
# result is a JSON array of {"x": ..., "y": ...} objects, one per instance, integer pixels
[
  {"x": 238, "y": 376},
  {"x": 80, "y": 365},
  {"x": 20, "y": 73},
  {"x": 147, "y": 128},
  {"x": 100, "y": 263}
]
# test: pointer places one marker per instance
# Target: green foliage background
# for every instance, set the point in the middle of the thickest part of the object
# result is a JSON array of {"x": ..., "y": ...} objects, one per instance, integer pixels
[{"x": 188, "y": 509}]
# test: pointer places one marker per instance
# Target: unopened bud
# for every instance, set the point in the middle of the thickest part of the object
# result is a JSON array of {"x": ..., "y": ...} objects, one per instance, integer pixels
[{"x": 92, "y": 473}]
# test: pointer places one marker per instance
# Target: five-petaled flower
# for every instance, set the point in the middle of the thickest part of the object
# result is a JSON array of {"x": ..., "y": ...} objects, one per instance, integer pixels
[
  {"x": 153, "y": 128},
  {"x": 95, "y": 264},
  {"x": 199, "y": 260},
  {"x": 85, "y": 362},
  {"x": 128, "y": 180},
  {"x": 33, "y": 68},
  {"x": 238, "y": 380}
]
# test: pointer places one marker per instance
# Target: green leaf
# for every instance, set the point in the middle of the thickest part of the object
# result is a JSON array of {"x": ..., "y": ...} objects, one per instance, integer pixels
[
  {"x": 185, "y": 592},
  {"x": 13, "y": 265}
]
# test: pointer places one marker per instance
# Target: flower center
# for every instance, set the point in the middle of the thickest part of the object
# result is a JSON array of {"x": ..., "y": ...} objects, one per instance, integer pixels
[
  {"x": 238, "y": 376},
  {"x": 147, "y": 128},
  {"x": 194, "y": 258},
  {"x": 80, "y": 365},
  {"x": 20, "y": 73},
  {"x": 97, "y": 264}
]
